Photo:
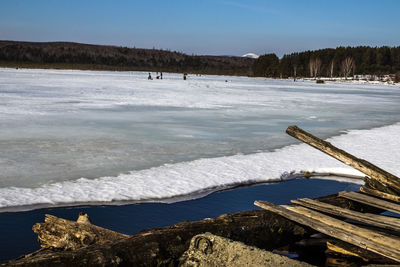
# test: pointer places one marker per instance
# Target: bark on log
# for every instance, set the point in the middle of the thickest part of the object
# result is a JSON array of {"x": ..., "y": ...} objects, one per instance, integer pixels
[
  {"x": 359, "y": 164},
  {"x": 64, "y": 234},
  {"x": 164, "y": 246},
  {"x": 376, "y": 185},
  {"x": 384, "y": 245}
]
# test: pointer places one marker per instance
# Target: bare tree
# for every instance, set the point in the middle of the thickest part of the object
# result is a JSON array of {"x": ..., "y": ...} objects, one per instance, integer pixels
[
  {"x": 315, "y": 67},
  {"x": 295, "y": 71},
  {"x": 348, "y": 66},
  {"x": 311, "y": 65},
  {"x": 331, "y": 65}
]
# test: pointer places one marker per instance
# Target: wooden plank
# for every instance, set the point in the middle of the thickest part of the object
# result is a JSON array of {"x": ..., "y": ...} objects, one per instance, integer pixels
[
  {"x": 359, "y": 164},
  {"x": 380, "y": 221},
  {"x": 380, "y": 194},
  {"x": 379, "y": 238},
  {"x": 371, "y": 201},
  {"x": 340, "y": 250},
  {"x": 338, "y": 246},
  {"x": 364, "y": 238}
]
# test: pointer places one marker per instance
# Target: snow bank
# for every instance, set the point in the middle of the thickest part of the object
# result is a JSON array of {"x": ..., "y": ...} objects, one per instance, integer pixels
[{"x": 380, "y": 146}]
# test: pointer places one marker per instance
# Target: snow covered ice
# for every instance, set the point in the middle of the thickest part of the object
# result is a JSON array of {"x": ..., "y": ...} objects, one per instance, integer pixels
[{"x": 73, "y": 137}]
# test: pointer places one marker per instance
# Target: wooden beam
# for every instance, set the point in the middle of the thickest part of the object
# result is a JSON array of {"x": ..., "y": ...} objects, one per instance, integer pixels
[
  {"x": 384, "y": 245},
  {"x": 380, "y": 221},
  {"x": 380, "y": 194},
  {"x": 376, "y": 185},
  {"x": 340, "y": 250},
  {"x": 371, "y": 201},
  {"x": 340, "y": 247},
  {"x": 359, "y": 164}
]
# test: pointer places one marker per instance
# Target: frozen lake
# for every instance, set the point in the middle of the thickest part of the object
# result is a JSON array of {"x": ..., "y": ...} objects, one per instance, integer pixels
[{"x": 70, "y": 137}]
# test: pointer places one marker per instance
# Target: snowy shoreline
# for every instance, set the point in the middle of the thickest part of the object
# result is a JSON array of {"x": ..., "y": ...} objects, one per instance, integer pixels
[
  {"x": 188, "y": 180},
  {"x": 363, "y": 79},
  {"x": 360, "y": 80}
]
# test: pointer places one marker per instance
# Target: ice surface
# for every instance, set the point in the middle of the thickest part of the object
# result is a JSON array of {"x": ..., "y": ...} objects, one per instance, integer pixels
[
  {"x": 379, "y": 145},
  {"x": 139, "y": 140}
]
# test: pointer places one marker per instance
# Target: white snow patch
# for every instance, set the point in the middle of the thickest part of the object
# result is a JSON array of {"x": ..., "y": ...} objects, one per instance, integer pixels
[
  {"x": 251, "y": 55},
  {"x": 380, "y": 146}
]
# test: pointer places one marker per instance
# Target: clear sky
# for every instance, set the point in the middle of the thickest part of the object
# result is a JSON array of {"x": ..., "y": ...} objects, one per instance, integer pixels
[{"x": 215, "y": 27}]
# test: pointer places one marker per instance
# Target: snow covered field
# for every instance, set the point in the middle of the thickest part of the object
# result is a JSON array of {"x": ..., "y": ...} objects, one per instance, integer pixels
[{"x": 73, "y": 137}]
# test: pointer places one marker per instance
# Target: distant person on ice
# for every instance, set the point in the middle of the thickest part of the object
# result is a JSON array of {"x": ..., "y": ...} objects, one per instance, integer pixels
[
  {"x": 184, "y": 76},
  {"x": 150, "y": 76}
]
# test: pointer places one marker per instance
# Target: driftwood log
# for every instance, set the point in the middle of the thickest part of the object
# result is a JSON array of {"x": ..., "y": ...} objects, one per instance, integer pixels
[
  {"x": 64, "y": 234},
  {"x": 164, "y": 246},
  {"x": 374, "y": 172},
  {"x": 376, "y": 185}
]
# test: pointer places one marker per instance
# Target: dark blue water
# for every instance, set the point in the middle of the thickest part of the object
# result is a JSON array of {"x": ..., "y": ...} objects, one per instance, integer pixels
[{"x": 17, "y": 238}]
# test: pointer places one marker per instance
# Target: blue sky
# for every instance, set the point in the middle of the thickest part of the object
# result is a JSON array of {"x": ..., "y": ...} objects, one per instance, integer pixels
[{"x": 219, "y": 27}]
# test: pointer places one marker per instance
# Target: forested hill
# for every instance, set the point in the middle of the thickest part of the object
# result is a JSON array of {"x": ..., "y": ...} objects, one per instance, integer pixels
[
  {"x": 341, "y": 61},
  {"x": 85, "y": 56}
]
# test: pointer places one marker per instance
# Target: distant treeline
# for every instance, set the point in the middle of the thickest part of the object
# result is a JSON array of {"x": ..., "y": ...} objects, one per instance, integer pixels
[
  {"x": 84, "y": 56},
  {"x": 342, "y": 61}
]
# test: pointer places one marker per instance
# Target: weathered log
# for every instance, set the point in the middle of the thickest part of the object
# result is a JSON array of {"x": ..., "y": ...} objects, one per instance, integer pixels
[
  {"x": 359, "y": 164},
  {"x": 60, "y": 233},
  {"x": 164, "y": 246},
  {"x": 371, "y": 201},
  {"x": 375, "y": 220},
  {"x": 384, "y": 245},
  {"x": 380, "y": 194},
  {"x": 376, "y": 185},
  {"x": 265, "y": 230}
]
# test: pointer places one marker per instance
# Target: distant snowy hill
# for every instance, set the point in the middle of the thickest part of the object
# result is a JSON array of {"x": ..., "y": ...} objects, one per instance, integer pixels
[{"x": 250, "y": 55}]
